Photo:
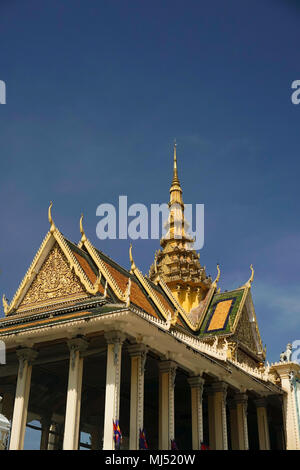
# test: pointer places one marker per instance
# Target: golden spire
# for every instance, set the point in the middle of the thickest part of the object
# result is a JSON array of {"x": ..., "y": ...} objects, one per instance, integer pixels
[
  {"x": 175, "y": 189},
  {"x": 52, "y": 226},
  {"x": 175, "y": 174}
]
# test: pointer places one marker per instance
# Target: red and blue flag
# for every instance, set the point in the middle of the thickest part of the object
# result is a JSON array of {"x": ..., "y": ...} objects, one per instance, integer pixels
[
  {"x": 117, "y": 434},
  {"x": 173, "y": 445},
  {"x": 143, "y": 442}
]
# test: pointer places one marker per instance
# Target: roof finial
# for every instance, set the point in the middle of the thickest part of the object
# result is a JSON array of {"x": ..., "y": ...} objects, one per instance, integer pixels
[
  {"x": 250, "y": 280},
  {"x": 5, "y": 304},
  {"x": 175, "y": 174},
  {"x": 218, "y": 276},
  {"x": 52, "y": 226},
  {"x": 131, "y": 259},
  {"x": 83, "y": 236}
]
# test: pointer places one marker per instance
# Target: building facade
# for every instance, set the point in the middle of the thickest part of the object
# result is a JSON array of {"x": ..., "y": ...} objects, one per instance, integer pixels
[{"x": 89, "y": 343}]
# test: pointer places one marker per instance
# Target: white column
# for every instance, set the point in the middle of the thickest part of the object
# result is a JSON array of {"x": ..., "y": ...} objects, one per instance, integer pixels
[
  {"x": 196, "y": 384},
  {"x": 137, "y": 353},
  {"x": 112, "y": 393},
  {"x": 72, "y": 418},
  {"x": 217, "y": 416},
  {"x": 167, "y": 374},
  {"x": 241, "y": 401},
  {"x": 26, "y": 357},
  {"x": 262, "y": 423}
]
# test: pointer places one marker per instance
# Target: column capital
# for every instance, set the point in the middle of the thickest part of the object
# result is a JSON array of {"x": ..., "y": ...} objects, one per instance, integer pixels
[
  {"x": 78, "y": 344},
  {"x": 167, "y": 366},
  {"x": 114, "y": 336},
  {"x": 240, "y": 398},
  {"x": 261, "y": 402},
  {"x": 217, "y": 387},
  {"x": 26, "y": 354},
  {"x": 137, "y": 349},
  {"x": 196, "y": 381}
]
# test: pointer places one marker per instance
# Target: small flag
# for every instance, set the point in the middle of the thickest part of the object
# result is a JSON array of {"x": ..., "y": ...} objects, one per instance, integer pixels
[
  {"x": 117, "y": 434},
  {"x": 173, "y": 445},
  {"x": 204, "y": 447},
  {"x": 143, "y": 442}
]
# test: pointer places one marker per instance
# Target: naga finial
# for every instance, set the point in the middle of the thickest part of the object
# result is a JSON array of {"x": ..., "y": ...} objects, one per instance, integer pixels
[
  {"x": 218, "y": 276},
  {"x": 52, "y": 225},
  {"x": 250, "y": 280},
  {"x": 5, "y": 304},
  {"x": 83, "y": 236},
  {"x": 133, "y": 266}
]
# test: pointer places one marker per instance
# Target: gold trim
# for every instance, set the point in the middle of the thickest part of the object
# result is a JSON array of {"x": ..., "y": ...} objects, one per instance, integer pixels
[
  {"x": 104, "y": 271},
  {"x": 51, "y": 237},
  {"x": 148, "y": 288}
]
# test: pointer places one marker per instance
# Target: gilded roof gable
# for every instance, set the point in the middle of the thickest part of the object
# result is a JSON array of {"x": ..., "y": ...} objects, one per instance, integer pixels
[{"x": 54, "y": 281}]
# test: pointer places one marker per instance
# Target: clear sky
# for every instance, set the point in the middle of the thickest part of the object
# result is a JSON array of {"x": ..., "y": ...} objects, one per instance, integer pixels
[{"x": 96, "y": 93}]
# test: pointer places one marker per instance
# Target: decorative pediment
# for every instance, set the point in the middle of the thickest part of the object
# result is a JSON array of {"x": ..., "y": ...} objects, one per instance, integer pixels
[
  {"x": 55, "y": 280},
  {"x": 55, "y": 272}
]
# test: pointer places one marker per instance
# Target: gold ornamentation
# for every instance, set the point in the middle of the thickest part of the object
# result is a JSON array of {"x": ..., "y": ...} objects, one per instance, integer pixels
[
  {"x": 133, "y": 267},
  {"x": 52, "y": 226},
  {"x": 83, "y": 236},
  {"x": 250, "y": 280},
  {"x": 244, "y": 333},
  {"x": 5, "y": 304},
  {"x": 54, "y": 280},
  {"x": 218, "y": 276}
]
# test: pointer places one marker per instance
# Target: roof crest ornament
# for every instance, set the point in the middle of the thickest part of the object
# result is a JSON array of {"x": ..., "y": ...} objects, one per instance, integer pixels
[
  {"x": 51, "y": 222},
  {"x": 250, "y": 280},
  {"x": 133, "y": 266},
  {"x": 218, "y": 276},
  {"x": 83, "y": 235}
]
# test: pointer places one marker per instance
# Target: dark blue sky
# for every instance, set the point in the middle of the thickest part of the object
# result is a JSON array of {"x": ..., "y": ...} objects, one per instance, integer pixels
[{"x": 96, "y": 93}]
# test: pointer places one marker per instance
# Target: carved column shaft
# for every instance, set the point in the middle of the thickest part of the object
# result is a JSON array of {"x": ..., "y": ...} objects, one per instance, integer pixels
[
  {"x": 138, "y": 358},
  {"x": 196, "y": 384},
  {"x": 112, "y": 393},
  {"x": 263, "y": 425},
  {"x": 26, "y": 356},
  {"x": 72, "y": 418},
  {"x": 240, "y": 402},
  {"x": 217, "y": 416},
  {"x": 167, "y": 374}
]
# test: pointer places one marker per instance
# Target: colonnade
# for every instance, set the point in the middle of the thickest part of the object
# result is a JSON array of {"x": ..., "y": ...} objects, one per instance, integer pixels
[{"x": 216, "y": 392}]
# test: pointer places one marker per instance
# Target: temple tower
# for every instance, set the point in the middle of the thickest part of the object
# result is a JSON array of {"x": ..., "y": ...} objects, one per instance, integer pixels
[{"x": 177, "y": 263}]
